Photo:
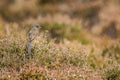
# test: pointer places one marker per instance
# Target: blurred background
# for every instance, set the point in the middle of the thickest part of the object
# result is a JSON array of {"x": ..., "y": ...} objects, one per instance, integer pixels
[
  {"x": 82, "y": 40},
  {"x": 81, "y": 20}
]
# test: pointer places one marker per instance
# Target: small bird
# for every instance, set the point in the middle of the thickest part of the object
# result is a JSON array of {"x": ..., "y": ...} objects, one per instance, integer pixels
[{"x": 32, "y": 34}]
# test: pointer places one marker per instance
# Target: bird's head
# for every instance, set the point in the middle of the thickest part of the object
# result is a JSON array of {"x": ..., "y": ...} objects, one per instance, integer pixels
[{"x": 36, "y": 27}]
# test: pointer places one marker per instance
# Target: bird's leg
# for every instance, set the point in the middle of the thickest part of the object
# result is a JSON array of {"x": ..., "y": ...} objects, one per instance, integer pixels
[{"x": 29, "y": 47}]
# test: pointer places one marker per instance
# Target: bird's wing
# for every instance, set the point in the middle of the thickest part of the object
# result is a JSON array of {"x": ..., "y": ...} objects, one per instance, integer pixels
[
  {"x": 31, "y": 36},
  {"x": 33, "y": 33}
]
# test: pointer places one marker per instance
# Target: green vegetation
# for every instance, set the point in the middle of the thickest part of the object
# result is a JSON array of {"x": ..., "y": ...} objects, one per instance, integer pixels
[
  {"x": 78, "y": 40},
  {"x": 63, "y": 31},
  {"x": 47, "y": 57},
  {"x": 113, "y": 74}
]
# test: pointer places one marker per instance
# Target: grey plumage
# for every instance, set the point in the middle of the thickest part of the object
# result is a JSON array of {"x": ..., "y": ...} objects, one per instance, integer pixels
[
  {"x": 33, "y": 33},
  {"x": 28, "y": 47}
]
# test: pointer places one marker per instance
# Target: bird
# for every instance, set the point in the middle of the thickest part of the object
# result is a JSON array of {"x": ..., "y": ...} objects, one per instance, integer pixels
[{"x": 32, "y": 34}]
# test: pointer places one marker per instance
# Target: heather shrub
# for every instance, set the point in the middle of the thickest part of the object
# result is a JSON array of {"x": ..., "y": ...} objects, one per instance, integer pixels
[
  {"x": 112, "y": 51},
  {"x": 112, "y": 73},
  {"x": 63, "y": 31}
]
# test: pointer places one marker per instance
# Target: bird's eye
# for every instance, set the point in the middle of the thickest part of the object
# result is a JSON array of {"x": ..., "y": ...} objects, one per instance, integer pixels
[{"x": 37, "y": 26}]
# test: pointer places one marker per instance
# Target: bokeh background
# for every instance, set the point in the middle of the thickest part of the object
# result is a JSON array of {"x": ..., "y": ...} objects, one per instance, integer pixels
[
  {"x": 98, "y": 17},
  {"x": 80, "y": 32}
]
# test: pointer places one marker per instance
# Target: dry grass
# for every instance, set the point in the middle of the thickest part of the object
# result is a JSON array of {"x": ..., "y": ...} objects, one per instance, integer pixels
[
  {"x": 67, "y": 61},
  {"x": 65, "y": 50}
]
